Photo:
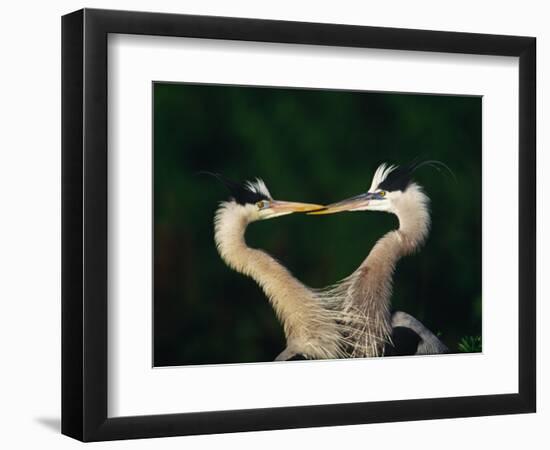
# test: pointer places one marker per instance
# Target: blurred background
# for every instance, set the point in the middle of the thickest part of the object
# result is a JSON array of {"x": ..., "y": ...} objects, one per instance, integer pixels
[{"x": 312, "y": 146}]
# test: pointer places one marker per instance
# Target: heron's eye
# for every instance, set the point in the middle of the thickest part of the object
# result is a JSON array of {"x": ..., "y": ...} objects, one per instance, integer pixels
[
  {"x": 262, "y": 204},
  {"x": 382, "y": 193}
]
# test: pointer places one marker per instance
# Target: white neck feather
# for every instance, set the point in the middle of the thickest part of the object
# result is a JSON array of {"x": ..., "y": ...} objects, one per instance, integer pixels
[{"x": 412, "y": 210}]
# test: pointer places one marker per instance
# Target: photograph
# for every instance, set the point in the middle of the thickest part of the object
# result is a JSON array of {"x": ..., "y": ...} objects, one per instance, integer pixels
[{"x": 314, "y": 224}]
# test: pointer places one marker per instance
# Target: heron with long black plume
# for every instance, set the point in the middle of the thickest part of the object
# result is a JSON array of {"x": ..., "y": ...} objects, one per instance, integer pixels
[
  {"x": 310, "y": 325},
  {"x": 365, "y": 295}
]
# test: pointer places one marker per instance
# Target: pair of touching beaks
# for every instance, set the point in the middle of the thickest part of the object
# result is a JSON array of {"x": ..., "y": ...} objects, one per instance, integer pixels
[{"x": 361, "y": 200}]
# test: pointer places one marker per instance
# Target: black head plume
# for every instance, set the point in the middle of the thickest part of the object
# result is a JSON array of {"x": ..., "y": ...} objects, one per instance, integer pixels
[
  {"x": 399, "y": 178},
  {"x": 243, "y": 193}
]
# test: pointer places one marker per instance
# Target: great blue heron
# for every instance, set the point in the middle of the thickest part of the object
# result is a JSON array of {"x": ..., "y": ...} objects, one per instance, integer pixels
[
  {"x": 310, "y": 327},
  {"x": 316, "y": 325},
  {"x": 365, "y": 295}
]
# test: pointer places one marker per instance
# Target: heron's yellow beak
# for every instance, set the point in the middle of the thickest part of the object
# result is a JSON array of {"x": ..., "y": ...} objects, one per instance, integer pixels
[
  {"x": 359, "y": 201},
  {"x": 281, "y": 207}
]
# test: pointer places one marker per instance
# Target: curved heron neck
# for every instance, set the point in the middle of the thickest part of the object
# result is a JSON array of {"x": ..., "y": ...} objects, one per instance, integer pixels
[
  {"x": 371, "y": 283},
  {"x": 412, "y": 211},
  {"x": 293, "y": 302}
]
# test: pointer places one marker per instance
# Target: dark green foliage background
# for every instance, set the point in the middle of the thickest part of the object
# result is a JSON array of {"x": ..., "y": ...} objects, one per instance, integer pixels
[{"x": 313, "y": 146}]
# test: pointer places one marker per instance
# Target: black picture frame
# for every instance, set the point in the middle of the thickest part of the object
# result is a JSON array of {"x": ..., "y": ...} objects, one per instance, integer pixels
[{"x": 84, "y": 224}]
